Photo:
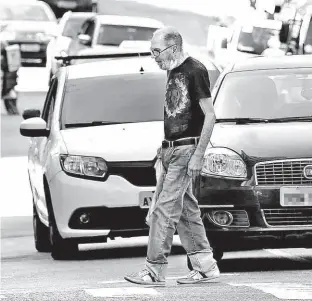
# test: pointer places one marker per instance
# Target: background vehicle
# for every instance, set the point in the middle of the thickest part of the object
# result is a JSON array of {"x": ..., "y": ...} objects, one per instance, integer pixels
[
  {"x": 10, "y": 64},
  {"x": 95, "y": 168},
  {"x": 31, "y": 25},
  {"x": 256, "y": 183},
  {"x": 59, "y": 7},
  {"x": 68, "y": 28},
  {"x": 247, "y": 39},
  {"x": 104, "y": 32}
]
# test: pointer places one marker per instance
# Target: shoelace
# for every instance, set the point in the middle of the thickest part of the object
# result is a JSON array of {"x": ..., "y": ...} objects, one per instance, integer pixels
[{"x": 192, "y": 274}]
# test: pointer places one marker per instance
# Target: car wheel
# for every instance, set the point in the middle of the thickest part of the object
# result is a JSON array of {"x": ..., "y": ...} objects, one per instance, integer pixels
[
  {"x": 41, "y": 234},
  {"x": 61, "y": 249},
  {"x": 217, "y": 255}
]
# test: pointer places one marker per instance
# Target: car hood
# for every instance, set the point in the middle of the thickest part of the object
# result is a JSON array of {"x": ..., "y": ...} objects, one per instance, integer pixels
[
  {"x": 32, "y": 26},
  {"x": 62, "y": 43},
  {"x": 265, "y": 141},
  {"x": 120, "y": 142}
]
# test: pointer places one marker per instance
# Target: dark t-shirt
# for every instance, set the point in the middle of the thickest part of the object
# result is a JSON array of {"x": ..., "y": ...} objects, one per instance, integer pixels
[{"x": 186, "y": 85}]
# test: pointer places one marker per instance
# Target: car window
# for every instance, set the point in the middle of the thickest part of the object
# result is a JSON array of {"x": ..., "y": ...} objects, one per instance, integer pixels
[
  {"x": 23, "y": 12},
  {"x": 90, "y": 29},
  {"x": 72, "y": 27},
  {"x": 265, "y": 94},
  {"x": 49, "y": 103},
  {"x": 126, "y": 98},
  {"x": 115, "y": 34}
]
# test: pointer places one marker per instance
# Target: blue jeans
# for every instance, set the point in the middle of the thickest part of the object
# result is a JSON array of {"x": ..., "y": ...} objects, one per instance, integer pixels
[{"x": 177, "y": 208}]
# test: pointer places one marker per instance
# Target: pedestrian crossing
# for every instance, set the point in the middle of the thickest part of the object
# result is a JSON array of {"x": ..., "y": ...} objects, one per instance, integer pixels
[{"x": 251, "y": 291}]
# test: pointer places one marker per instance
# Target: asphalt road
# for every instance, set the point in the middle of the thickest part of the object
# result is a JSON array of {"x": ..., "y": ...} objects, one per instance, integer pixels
[{"x": 97, "y": 274}]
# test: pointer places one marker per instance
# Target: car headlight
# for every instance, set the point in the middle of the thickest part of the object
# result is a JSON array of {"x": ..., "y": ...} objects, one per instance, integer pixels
[
  {"x": 8, "y": 35},
  {"x": 223, "y": 162},
  {"x": 84, "y": 166}
]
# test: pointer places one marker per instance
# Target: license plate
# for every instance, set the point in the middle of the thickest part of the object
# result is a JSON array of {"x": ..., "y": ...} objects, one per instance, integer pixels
[
  {"x": 30, "y": 47},
  {"x": 298, "y": 196},
  {"x": 14, "y": 57},
  {"x": 67, "y": 4},
  {"x": 145, "y": 198}
]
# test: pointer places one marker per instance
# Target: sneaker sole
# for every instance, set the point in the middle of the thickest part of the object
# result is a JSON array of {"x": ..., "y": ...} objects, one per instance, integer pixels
[
  {"x": 142, "y": 282},
  {"x": 204, "y": 280}
]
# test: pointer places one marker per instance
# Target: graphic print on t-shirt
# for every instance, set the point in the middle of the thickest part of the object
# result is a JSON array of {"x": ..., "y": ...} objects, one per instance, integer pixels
[{"x": 177, "y": 97}]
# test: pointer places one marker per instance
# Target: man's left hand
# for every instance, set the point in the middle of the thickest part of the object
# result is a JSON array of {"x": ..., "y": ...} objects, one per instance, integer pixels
[{"x": 195, "y": 165}]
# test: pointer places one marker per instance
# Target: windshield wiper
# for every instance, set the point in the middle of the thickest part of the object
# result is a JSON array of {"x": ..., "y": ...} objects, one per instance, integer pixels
[
  {"x": 242, "y": 120},
  {"x": 93, "y": 123}
]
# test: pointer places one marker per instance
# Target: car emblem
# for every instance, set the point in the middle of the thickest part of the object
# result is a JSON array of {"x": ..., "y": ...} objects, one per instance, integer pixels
[{"x": 307, "y": 171}]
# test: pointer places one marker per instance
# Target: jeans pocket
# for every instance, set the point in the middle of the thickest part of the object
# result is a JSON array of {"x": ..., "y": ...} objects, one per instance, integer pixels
[{"x": 182, "y": 155}]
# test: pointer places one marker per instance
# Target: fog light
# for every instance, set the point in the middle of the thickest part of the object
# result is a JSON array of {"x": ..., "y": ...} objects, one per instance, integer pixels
[
  {"x": 222, "y": 218},
  {"x": 84, "y": 218}
]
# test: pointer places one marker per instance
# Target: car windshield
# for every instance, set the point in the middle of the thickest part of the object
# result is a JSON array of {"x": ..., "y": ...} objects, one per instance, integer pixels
[
  {"x": 254, "y": 39},
  {"x": 117, "y": 99},
  {"x": 265, "y": 94},
  {"x": 72, "y": 27},
  {"x": 308, "y": 40},
  {"x": 23, "y": 12},
  {"x": 113, "y": 35}
]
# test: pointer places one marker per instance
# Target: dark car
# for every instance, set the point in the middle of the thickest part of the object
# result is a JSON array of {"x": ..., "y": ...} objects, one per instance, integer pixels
[
  {"x": 31, "y": 25},
  {"x": 255, "y": 190},
  {"x": 59, "y": 7}
]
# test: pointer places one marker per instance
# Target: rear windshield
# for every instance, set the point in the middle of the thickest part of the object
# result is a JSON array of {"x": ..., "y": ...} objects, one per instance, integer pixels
[
  {"x": 130, "y": 98},
  {"x": 113, "y": 35}
]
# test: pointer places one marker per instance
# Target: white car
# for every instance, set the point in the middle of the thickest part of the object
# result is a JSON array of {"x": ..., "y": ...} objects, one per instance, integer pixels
[
  {"x": 106, "y": 32},
  {"x": 92, "y": 152},
  {"x": 68, "y": 28}
]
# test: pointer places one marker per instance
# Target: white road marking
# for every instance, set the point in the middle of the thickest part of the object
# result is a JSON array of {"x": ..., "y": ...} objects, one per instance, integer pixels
[
  {"x": 285, "y": 254},
  {"x": 284, "y": 291},
  {"x": 167, "y": 278},
  {"x": 15, "y": 193},
  {"x": 2, "y": 297},
  {"x": 121, "y": 292}
]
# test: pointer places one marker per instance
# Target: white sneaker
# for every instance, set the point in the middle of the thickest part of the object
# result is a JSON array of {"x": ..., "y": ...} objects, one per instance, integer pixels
[{"x": 200, "y": 277}]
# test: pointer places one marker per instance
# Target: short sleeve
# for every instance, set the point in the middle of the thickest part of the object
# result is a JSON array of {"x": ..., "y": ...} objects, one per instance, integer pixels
[{"x": 201, "y": 84}]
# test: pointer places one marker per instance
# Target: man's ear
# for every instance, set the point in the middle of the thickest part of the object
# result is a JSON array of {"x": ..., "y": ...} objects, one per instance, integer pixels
[{"x": 174, "y": 48}]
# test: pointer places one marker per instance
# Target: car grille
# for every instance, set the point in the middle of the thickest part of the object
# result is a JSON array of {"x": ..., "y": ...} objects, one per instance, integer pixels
[
  {"x": 26, "y": 36},
  {"x": 282, "y": 172},
  {"x": 137, "y": 173},
  {"x": 288, "y": 217}
]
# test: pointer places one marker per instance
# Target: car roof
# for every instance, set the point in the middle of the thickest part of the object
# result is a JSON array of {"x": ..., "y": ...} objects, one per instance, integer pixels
[
  {"x": 106, "y": 67},
  {"x": 71, "y": 14},
  {"x": 129, "y": 21},
  {"x": 270, "y": 63}
]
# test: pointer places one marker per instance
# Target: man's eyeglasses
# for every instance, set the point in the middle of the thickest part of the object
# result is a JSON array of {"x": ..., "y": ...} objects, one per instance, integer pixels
[{"x": 156, "y": 52}]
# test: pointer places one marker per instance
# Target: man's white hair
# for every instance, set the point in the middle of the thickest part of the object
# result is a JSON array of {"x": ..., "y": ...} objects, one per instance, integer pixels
[{"x": 171, "y": 36}]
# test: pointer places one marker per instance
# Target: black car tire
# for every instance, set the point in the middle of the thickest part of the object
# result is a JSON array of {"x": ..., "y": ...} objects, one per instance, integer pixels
[
  {"x": 41, "y": 234},
  {"x": 217, "y": 255},
  {"x": 61, "y": 249}
]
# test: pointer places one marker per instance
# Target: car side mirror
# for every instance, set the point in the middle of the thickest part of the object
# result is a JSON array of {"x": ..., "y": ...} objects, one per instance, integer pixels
[
  {"x": 34, "y": 127},
  {"x": 30, "y": 113},
  {"x": 284, "y": 33},
  {"x": 84, "y": 39}
]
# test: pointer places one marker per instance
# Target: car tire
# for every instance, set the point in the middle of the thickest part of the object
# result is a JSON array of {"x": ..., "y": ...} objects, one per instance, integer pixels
[
  {"x": 41, "y": 234},
  {"x": 61, "y": 249},
  {"x": 217, "y": 255}
]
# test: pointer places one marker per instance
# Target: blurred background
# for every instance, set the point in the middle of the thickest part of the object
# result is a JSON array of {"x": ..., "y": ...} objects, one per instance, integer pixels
[{"x": 33, "y": 32}]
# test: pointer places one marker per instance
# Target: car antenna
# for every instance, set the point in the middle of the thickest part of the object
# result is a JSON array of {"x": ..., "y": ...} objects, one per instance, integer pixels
[{"x": 141, "y": 70}]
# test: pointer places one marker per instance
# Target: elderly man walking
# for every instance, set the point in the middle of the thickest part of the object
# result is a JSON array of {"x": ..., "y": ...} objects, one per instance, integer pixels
[{"x": 188, "y": 123}]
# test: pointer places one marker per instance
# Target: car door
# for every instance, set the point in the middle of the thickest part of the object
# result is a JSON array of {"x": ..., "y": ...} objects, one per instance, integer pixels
[{"x": 43, "y": 145}]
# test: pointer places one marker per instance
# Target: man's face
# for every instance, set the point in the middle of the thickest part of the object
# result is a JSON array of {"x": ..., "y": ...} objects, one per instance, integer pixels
[{"x": 164, "y": 54}]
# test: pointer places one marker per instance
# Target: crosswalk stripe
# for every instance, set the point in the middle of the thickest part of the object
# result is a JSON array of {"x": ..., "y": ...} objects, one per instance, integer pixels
[
  {"x": 285, "y": 254},
  {"x": 121, "y": 292},
  {"x": 289, "y": 291}
]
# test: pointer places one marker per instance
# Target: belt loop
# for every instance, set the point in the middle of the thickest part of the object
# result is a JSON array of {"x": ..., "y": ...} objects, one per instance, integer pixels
[
  {"x": 196, "y": 141},
  {"x": 170, "y": 143}
]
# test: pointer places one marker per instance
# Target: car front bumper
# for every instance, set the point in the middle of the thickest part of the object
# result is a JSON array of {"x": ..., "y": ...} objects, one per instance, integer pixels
[{"x": 112, "y": 206}]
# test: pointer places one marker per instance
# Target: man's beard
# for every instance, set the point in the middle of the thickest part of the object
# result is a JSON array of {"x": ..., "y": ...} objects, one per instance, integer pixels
[{"x": 168, "y": 64}]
